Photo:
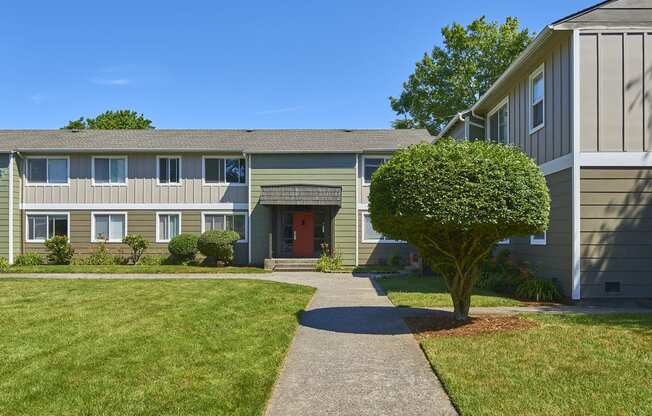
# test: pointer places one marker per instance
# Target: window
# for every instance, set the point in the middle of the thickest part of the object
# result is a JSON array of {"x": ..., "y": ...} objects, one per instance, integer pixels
[
  {"x": 499, "y": 122},
  {"x": 220, "y": 170},
  {"x": 109, "y": 227},
  {"x": 369, "y": 235},
  {"x": 539, "y": 239},
  {"x": 229, "y": 222},
  {"x": 41, "y": 227},
  {"x": 110, "y": 170},
  {"x": 537, "y": 99},
  {"x": 169, "y": 170},
  {"x": 371, "y": 164},
  {"x": 168, "y": 226},
  {"x": 51, "y": 171}
]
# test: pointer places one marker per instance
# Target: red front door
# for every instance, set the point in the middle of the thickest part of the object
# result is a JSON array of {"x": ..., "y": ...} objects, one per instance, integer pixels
[{"x": 304, "y": 234}]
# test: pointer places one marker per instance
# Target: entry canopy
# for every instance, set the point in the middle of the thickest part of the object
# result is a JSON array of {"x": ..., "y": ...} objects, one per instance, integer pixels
[{"x": 301, "y": 195}]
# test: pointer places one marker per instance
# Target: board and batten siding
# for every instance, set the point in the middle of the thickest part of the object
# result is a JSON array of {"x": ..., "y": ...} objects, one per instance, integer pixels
[
  {"x": 4, "y": 205},
  {"x": 616, "y": 230},
  {"x": 142, "y": 187},
  {"x": 553, "y": 260},
  {"x": 304, "y": 169},
  {"x": 555, "y": 138},
  {"x": 616, "y": 91}
]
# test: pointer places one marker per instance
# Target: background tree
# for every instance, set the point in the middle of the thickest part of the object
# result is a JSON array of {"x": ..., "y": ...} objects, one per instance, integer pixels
[
  {"x": 111, "y": 120},
  {"x": 454, "y": 76},
  {"x": 454, "y": 201}
]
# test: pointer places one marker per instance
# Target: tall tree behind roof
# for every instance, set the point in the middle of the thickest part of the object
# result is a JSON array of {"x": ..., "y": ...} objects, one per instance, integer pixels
[{"x": 111, "y": 120}]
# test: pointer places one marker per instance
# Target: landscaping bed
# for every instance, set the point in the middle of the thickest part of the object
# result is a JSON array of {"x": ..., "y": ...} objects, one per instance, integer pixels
[
  {"x": 131, "y": 269},
  {"x": 155, "y": 347}
]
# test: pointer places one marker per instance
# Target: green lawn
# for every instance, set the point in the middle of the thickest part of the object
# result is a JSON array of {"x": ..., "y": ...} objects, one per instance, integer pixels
[
  {"x": 78, "y": 268},
  {"x": 430, "y": 291},
  {"x": 570, "y": 365},
  {"x": 158, "y": 347}
]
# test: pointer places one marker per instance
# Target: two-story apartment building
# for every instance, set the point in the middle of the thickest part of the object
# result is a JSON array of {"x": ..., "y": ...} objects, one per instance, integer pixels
[
  {"x": 284, "y": 191},
  {"x": 578, "y": 100}
]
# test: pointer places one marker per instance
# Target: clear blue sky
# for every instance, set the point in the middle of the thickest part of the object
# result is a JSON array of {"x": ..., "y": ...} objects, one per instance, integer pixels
[{"x": 227, "y": 64}]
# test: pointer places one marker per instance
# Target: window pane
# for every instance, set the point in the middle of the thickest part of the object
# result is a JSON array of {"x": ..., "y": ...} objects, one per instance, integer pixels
[
  {"x": 36, "y": 170},
  {"x": 212, "y": 167},
  {"x": 502, "y": 125},
  {"x": 243, "y": 171},
  {"x": 57, "y": 170},
  {"x": 537, "y": 88},
  {"x": 214, "y": 222},
  {"x": 369, "y": 232},
  {"x": 102, "y": 170},
  {"x": 117, "y": 227},
  {"x": 174, "y": 170},
  {"x": 234, "y": 172},
  {"x": 370, "y": 166},
  {"x": 37, "y": 227},
  {"x": 537, "y": 115},
  {"x": 173, "y": 226},
  {"x": 101, "y": 227},
  {"x": 163, "y": 170},
  {"x": 239, "y": 225},
  {"x": 493, "y": 127},
  {"x": 118, "y": 171},
  {"x": 58, "y": 225},
  {"x": 163, "y": 231}
]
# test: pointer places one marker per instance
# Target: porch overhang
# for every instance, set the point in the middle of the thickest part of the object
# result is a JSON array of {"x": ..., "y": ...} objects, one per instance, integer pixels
[{"x": 301, "y": 195}]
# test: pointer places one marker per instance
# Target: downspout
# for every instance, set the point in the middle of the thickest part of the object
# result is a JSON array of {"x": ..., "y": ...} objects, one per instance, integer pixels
[{"x": 248, "y": 159}]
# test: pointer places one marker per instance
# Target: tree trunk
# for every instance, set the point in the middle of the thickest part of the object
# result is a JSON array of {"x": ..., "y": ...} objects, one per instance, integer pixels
[{"x": 461, "y": 303}]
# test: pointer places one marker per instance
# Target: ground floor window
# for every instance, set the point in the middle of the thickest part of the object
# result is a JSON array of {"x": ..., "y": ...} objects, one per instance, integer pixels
[
  {"x": 108, "y": 227},
  {"x": 41, "y": 227},
  {"x": 168, "y": 226},
  {"x": 369, "y": 235},
  {"x": 223, "y": 221},
  {"x": 539, "y": 239}
]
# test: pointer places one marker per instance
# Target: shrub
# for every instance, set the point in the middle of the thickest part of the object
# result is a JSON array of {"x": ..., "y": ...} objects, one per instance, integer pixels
[
  {"x": 540, "y": 290},
  {"x": 218, "y": 245},
  {"x": 29, "y": 259},
  {"x": 137, "y": 244},
  {"x": 4, "y": 265},
  {"x": 183, "y": 247},
  {"x": 61, "y": 250},
  {"x": 152, "y": 260},
  {"x": 329, "y": 263},
  {"x": 101, "y": 257},
  {"x": 396, "y": 261}
]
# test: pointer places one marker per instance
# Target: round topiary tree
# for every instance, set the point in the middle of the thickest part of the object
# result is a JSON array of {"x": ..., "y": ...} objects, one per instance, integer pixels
[
  {"x": 454, "y": 201},
  {"x": 218, "y": 245},
  {"x": 183, "y": 247}
]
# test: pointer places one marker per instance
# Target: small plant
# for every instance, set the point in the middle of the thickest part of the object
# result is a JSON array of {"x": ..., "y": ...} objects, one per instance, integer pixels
[
  {"x": 137, "y": 244},
  {"x": 152, "y": 260},
  {"x": 101, "y": 257},
  {"x": 183, "y": 247},
  {"x": 4, "y": 265},
  {"x": 539, "y": 290},
  {"x": 328, "y": 262},
  {"x": 29, "y": 259},
  {"x": 218, "y": 245},
  {"x": 61, "y": 250}
]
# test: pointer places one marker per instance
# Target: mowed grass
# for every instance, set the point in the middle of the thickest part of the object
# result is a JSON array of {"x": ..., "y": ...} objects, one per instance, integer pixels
[
  {"x": 431, "y": 291},
  {"x": 570, "y": 365},
  {"x": 133, "y": 269},
  {"x": 162, "y": 347}
]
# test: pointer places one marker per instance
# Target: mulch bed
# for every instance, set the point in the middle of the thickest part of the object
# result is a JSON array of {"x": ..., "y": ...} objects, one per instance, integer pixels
[{"x": 443, "y": 325}]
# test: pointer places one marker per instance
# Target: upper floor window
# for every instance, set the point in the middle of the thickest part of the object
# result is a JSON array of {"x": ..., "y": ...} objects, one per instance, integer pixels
[
  {"x": 499, "y": 122},
  {"x": 223, "y": 170},
  {"x": 47, "y": 170},
  {"x": 169, "y": 170},
  {"x": 110, "y": 170},
  {"x": 537, "y": 99},
  {"x": 371, "y": 164}
]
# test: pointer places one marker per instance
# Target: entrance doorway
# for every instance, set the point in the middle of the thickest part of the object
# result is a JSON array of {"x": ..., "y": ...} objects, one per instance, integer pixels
[
  {"x": 303, "y": 224},
  {"x": 301, "y": 231}
]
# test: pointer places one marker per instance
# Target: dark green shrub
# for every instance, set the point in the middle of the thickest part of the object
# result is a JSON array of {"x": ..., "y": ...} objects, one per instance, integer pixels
[
  {"x": 61, "y": 250},
  {"x": 137, "y": 244},
  {"x": 396, "y": 261},
  {"x": 183, "y": 247},
  {"x": 29, "y": 259},
  {"x": 539, "y": 290},
  {"x": 218, "y": 245},
  {"x": 4, "y": 265}
]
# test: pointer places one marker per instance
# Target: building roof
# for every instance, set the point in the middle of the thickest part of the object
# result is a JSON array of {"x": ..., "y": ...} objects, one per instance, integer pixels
[{"x": 237, "y": 141}]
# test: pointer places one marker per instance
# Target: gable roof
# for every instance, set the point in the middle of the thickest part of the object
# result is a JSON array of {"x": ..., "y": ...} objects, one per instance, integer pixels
[{"x": 236, "y": 141}]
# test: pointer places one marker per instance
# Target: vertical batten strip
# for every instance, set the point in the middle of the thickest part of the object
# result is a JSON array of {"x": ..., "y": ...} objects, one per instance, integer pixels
[
  {"x": 576, "y": 224},
  {"x": 10, "y": 230}
]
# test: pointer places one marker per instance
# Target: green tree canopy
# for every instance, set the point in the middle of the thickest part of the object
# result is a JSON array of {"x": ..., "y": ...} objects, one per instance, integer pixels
[
  {"x": 454, "y": 201},
  {"x": 451, "y": 78},
  {"x": 111, "y": 120}
]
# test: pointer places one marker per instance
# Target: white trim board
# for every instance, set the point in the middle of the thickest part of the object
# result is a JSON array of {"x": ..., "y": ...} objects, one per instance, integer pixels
[
  {"x": 615, "y": 159},
  {"x": 576, "y": 203},
  {"x": 557, "y": 165},
  {"x": 232, "y": 206},
  {"x": 10, "y": 231}
]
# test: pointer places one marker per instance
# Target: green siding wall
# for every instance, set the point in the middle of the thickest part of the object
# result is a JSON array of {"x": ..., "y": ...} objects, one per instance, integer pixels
[
  {"x": 4, "y": 205},
  {"x": 312, "y": 169},
  {"x": 17, "y": 213}
]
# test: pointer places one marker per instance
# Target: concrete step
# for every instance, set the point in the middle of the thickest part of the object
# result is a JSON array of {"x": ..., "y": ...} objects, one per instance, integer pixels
[{"x": 286, "y": 265}]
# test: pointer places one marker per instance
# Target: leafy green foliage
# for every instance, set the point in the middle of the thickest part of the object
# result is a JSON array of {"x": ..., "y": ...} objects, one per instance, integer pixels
[
  {"x": 218, "y": 245},
  {"x": 138, "y": 244},
  {"x": 100, "y": 257},
  {"x": 502, "y": 273},
  {"x": 451, "y": 78},
  {"x": 328, "y": 262},
  {"x": 111, "y": 120},
  {"x": 183, "y": 247},
  {"x": 152, "y": 260},
  {"x": 454, "y": 201},
  {"x": 61, "y": 250},
  {"x": 540, "y": 290},
  {"x": 29, "y": 259},
  {"x": 4, "y": 265}
]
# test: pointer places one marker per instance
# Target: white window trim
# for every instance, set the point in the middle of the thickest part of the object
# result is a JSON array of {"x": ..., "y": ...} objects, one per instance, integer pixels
[
  {"x": 158, "y": 170},
  {"x": 110, "y": 183},
  {"x": 372, "y": 240},
  {"x": 539, "y": 241},
  {"x": 94, "y": 213},
  {"x": 540, "y": 70},
  {"x": 158, "y": 214},
  {"x": 504, "y": 242},
  {"x": 47, "y": 230},
  {"x": 244, "y": 214},
  {"x": 364, "y": 164},
  {"x": 503, "y": 102},
  {"x": 203, "y": 171},
  {"x": 47, "y": 169}
]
